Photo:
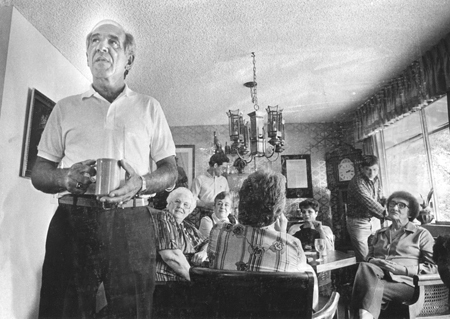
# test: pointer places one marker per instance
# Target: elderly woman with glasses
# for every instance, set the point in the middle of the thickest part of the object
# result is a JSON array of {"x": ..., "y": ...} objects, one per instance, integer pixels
[
  {"x": 178, "y": 241},
  {"x": 396, "y": 254}
]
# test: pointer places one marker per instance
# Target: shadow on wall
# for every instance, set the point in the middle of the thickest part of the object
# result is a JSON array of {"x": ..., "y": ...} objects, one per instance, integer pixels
[{"x": 22, "y": 242}]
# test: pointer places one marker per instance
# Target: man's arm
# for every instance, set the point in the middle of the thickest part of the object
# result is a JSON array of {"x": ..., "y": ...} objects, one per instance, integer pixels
[
  {"x": 48, "y": 178},
  {"x": 164, "y": 177},
  {"x": 177, "y": 261}
]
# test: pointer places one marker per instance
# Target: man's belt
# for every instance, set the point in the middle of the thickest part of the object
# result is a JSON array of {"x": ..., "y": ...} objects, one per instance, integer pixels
[{"x": 91, "y": 201}]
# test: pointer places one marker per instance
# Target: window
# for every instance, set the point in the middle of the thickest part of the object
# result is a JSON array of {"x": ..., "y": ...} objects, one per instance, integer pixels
[
  {"x": 416, "y": 152},
  {"x": 406, "y": 157},
  {"x": 439, "y": 135}
]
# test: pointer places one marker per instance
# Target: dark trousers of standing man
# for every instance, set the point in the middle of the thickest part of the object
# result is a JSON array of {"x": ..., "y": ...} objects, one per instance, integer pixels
[{"x": 89, "y": 245}]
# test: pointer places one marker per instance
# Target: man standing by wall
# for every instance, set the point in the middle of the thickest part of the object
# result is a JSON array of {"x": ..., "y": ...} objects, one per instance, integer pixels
[
  {"x": 364, "y": 201},
  {"x": 205, "y": 187},
  {"x": 108, "y": 239}
]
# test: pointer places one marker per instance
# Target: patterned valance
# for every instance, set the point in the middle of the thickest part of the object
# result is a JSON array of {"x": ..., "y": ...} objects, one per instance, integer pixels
[{"x": 422, "y": 82}]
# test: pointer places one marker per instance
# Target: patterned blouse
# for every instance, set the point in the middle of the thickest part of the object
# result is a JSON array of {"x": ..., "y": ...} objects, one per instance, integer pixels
[
  {"x": 170, "y": 235},
  {"x": 239, "y": 247}
]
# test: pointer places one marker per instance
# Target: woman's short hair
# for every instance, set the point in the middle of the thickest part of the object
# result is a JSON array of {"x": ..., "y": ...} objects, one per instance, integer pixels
[
  {"x": 222, "y": 195},
  {"x": 173, "y": 195},
  {"x": 262, "y": 198},
  {"x": 413, "y": 204},
  {"x": 309, "y": 203}
]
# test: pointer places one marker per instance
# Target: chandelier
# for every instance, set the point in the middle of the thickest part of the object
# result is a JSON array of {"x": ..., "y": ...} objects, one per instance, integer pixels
[{"x": 249, "y": 137}]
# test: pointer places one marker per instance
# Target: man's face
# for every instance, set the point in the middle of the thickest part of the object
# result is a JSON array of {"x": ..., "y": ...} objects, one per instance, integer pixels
[
  {"x": 106, "y": 54},
  {"x": 371, "y": 171},
  {"x": 219, "y": 169}
]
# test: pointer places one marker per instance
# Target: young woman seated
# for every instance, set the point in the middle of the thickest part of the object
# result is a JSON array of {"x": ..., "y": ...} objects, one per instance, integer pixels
[
  {"x": 312, "y": 228},
  {"x": 223, "y": 203},
  {"x": 396, "y": 254}
]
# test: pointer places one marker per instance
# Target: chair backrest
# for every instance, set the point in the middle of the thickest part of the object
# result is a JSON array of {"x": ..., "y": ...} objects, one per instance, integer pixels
[{"x": 241, "y": 294}]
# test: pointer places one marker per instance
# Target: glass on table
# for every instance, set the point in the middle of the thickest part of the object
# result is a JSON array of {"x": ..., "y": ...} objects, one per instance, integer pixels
[{"x": 319, "y": 245}]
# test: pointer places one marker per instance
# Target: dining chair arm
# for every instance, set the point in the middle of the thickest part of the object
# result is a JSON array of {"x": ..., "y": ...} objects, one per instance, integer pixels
[{"x": 329, "y": 310}]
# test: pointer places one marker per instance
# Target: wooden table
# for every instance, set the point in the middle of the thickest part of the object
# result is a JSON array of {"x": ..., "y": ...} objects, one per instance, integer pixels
[{"x": 333, "y": 260}]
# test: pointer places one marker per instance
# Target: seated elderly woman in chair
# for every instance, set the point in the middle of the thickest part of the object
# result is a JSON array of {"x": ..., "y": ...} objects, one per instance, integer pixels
[
  {"x": 178, "y": 242},
  {"x": 396, "y": 254},
  {"x": 260, "y": 242}
]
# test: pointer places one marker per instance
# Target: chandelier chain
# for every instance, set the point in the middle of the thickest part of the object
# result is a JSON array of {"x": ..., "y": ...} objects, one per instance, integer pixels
[{"x": 253, "y": 89}]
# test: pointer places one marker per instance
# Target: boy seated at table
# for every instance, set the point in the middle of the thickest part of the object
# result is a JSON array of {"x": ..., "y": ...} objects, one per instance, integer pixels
[{"x": 311, "y": 228}]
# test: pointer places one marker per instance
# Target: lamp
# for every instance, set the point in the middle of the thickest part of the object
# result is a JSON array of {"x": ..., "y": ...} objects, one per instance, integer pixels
[{"x": 249, "y": 138}]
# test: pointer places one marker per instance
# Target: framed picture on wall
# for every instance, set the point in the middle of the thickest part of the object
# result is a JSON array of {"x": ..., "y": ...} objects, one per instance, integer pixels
[
  {"x": 186, "y": 160},
  {"x": 38, "y": 111},
  {"x": 297, "y": 169}
]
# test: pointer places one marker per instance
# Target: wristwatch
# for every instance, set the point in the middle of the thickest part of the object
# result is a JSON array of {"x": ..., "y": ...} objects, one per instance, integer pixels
[{"x": 143, "y": 187}]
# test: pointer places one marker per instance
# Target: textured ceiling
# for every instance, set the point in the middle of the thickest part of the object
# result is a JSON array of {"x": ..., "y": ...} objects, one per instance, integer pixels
[{"x": 318, "y": 60}]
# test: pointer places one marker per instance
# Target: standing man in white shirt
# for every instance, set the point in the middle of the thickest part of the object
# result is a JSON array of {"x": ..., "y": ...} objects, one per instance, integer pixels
[
  {"x": 109, "y": 239},
  {"x": 205, "y": 187}
]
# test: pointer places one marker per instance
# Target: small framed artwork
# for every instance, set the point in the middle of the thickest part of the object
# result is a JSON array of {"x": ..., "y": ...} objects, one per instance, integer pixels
[
  {"x": 297, "y": 169},
  {"x": 186, "y": 162},
  {"x": 39, "y": 110}
]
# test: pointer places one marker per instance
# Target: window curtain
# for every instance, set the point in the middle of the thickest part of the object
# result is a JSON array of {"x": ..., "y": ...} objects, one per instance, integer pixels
[{"x": 422, "y": 82}]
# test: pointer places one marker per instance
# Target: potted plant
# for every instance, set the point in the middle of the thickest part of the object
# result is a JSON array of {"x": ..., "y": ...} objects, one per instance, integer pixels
[{"x": 426, "y": 213}]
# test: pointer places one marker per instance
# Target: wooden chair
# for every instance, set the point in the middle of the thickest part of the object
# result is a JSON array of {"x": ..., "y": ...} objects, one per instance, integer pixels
[
  {"x": 430, "y": 301},
  {"x": 239, "y": 294}
]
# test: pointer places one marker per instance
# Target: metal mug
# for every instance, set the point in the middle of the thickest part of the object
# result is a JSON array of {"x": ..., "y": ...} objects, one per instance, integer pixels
[{"x": 108, "y": 176}]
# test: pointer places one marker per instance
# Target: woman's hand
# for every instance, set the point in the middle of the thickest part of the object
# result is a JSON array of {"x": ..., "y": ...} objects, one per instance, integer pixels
[
  {"x": 314, "y": 224},
  {"x": 281, "y": 223},
  {"x": 199, "y": 258},
  {"x": 390, "y": 266}
]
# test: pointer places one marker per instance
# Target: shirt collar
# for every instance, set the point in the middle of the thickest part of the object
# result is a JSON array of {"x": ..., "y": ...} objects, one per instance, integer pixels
[
  {"x": 409, "y": 227},
  {"x": 209, "y": 175},
  {"x": 367, "y": 179},
  {"x": 92, "y": 93},
  {"x": 217, "y": 220}
]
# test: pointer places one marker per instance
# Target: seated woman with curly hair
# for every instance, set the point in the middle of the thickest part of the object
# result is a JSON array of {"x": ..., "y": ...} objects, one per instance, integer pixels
[
  {"x": 260, "y": 242},
  {"x": 396, "y": 254}
]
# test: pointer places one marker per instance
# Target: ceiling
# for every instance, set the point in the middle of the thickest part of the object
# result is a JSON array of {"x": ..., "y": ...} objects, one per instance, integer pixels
[{"x": 317, "y": 60}]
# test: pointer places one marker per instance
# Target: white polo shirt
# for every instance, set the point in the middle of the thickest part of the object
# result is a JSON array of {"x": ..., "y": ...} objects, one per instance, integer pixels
[{"x": 87, "y": 126}]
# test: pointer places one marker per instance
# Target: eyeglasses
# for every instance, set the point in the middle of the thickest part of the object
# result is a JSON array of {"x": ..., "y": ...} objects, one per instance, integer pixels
[{"x": 392, "y": 204}]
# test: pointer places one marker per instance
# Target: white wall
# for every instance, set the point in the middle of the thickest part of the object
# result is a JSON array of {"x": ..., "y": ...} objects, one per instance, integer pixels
[{"x": 31, "y": 62}]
